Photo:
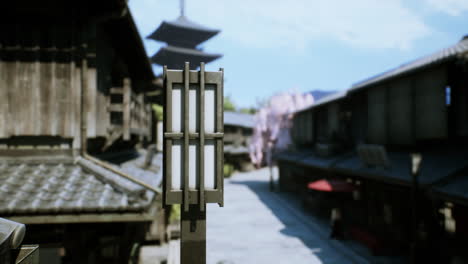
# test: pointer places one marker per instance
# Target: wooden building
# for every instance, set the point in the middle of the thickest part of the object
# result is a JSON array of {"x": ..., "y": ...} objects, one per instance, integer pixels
[
  {"x": 451, "y": 199},
  {"x": 365, "y": 136},
  {"x": 62, "y": 62},
  {"x": 238, "y": 130},
  {"x": 75, "y": 79}
]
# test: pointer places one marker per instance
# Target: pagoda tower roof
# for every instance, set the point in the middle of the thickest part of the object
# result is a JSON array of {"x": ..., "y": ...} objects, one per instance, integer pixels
[
  {"x": 182, "y": 37},
  {"x": 175, "y": 57},
  {"x": 182, "y": 32}
]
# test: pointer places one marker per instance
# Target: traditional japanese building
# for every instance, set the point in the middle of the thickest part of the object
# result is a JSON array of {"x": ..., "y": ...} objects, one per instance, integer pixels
[
  {"x": 238, "y": 129},
  {"x": 365, "y": 136},
  {"x": 183, "y": 38},
  {"x": 74, "y": 79}
]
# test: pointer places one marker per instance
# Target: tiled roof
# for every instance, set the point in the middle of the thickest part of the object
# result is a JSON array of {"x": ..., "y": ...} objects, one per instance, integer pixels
[
  {"x": 438, "y": 57},
  {"x": 238, "y": 119},
  {"x": 336, "y": 96},
  {"x": 457, "y": 50},
  {"x": 293, "y": 156},
  {"x": 235, "y": 150},
  {"x": 454, "y": 189},
  {"x": 308, "y": 158},
  {"x": 436, "y": 165},
  {"x": 195, "y": 32},
  {"x": 61, "y": 187}
]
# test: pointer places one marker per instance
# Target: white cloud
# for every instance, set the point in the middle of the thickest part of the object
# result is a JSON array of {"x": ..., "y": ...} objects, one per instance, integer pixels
[
  {"x": 296, "y": 24},
  {"x": 451, "y": 7}
]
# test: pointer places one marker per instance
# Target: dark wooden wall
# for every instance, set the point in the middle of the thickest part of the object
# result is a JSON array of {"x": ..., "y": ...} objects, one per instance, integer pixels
[
  {"x": 41, "y": 82},
  {"x": 302, "y": 131},
  {"x": 408, "y": 109}
]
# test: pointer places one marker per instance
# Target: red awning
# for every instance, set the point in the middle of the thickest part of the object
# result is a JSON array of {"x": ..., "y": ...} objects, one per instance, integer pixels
[{"x": 331, "y": 185}]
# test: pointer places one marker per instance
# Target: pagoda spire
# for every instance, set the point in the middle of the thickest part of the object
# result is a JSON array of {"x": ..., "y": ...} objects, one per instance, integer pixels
[
  {"x": 182, "y": 37},
  {"x": 182, "y": 7}
]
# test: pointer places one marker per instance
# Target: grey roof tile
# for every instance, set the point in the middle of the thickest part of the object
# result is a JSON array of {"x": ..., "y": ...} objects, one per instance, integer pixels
[
  {"x": 238, "y": 119},
  {"x": 437, "y": 57},
  {"x": 331, "y": 98},
  {"x": 151, "y": 175},
  {"x": 293, "y": 156},
  {"x": 55, "y": 187},
  {"x": 308, "y": 158},
  {"x": 235, "y": 150},
  {"x": 435, "y": 166},
  {"x": 454, "y": 189}
]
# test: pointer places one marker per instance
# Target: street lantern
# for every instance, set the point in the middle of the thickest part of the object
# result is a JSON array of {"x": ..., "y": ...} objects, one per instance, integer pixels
[
  {"x": 193, "y": 152},
  {"x": 193, "y": 137}
]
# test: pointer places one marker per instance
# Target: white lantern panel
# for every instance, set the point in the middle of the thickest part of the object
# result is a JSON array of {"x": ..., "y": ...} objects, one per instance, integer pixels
[
  {"x": 177, "y": 105},
  {"x": 210, "y": 108},
  {"x": 210, "y": 166},
  {"x": 193, "y": 113},
  {"x": 194, "y": 179},
  {"x": 176, "y": 170}
]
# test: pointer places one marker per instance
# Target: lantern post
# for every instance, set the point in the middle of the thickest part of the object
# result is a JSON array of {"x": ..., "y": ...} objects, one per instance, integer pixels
[
  {"x": 193, "y": 152},
  {"x": 415, "y": 167}
]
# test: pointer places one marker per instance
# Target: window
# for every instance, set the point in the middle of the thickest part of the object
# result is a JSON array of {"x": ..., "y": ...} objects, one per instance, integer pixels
[{"x": 448, "y": 95}]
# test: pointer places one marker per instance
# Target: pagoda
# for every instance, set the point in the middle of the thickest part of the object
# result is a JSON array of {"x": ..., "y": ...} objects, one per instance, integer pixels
[{"x": 182, "y": 37}]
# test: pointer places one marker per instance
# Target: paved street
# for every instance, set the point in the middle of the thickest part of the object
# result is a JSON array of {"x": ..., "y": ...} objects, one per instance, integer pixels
[{"x": 258, "y": 226}]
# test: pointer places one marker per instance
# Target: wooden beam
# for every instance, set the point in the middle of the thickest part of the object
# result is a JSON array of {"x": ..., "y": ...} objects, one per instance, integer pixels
[
  {"x": 4, "y": 100},
  {"x": 85, "y": 218},
  {"x": 112, "y": 137},
  {"x": 115, "y": 108},
  {"x": 106, "y": 166},
  {"x": 116, "y": 90},
  {"x": 91, "y": 101},
  {"x": 154, "y": 93},
  {"x": 76, "y": 101},
  {"x": 126, "y": 108},
  {"x": 50, "y": 153}
]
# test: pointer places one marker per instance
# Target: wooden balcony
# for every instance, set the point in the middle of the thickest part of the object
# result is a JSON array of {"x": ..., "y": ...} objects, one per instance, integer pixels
[{"x": 132, "y": 116}]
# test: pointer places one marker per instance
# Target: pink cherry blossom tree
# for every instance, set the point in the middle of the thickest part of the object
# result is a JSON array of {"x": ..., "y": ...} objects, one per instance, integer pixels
[{"x": 272, "y": 125}]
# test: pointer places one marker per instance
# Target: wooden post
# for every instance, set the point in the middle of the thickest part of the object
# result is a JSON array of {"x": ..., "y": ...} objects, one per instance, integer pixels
[
  {"x": 272, "y": 182},
  {"x": 84, "y": 89},
  {"x": 193, "y": 235},
  {"x": 126, "y": 108},
  {"x": 415, "y": 165}
]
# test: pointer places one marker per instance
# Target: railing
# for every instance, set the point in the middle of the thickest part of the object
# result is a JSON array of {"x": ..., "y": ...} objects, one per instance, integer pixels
[{"x": 134, "y": 114}]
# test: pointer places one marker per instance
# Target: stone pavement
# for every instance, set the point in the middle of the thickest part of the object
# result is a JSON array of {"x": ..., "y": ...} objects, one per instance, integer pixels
[{"x": 258, "y": 226}]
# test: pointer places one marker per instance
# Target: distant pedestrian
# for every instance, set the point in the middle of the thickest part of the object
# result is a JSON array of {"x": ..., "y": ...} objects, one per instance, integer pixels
[{"x": 337, "y": 229}]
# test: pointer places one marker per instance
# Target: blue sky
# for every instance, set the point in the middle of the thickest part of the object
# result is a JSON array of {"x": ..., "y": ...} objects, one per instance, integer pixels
[{"x": 271, "y": 46}]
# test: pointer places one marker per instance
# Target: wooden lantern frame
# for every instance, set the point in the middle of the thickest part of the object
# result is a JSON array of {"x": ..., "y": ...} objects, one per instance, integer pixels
[{"x": 198, "y": 80}]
